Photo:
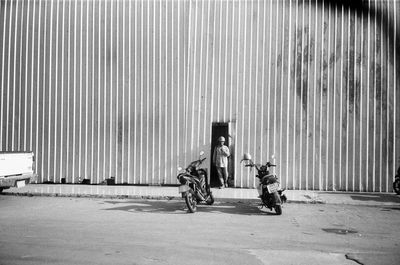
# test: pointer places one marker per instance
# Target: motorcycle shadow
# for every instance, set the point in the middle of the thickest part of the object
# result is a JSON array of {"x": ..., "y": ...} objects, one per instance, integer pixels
[{"x": 179, "y": 207}]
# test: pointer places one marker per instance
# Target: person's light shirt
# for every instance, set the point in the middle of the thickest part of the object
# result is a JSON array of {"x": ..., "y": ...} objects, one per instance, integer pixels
[{"x": 220, "y": 156}]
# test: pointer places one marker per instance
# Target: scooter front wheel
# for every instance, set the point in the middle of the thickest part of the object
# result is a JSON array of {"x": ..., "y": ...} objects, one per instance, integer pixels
[{"x": 191, "y": 202}]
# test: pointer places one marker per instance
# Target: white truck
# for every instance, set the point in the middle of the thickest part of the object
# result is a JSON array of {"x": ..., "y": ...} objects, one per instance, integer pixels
[{"x": 16, "y": 169}]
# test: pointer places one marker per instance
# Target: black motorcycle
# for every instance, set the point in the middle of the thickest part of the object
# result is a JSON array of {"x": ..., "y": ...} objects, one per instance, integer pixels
[
  {"x": 194, "y": 185},
  {"x": 271, "y": 194},
  {"x": 396, "y": 183}
]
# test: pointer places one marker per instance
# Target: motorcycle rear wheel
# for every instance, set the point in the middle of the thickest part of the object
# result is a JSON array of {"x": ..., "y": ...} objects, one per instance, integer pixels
[
  {"x": 396, "y": 186},
  {"x": 191, "y": 202}
]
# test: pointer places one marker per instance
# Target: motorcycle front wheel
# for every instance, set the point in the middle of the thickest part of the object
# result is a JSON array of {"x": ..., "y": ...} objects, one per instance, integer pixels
[
  {"x": 396, "y": 186},
  {"x": 191, "y": 202}
]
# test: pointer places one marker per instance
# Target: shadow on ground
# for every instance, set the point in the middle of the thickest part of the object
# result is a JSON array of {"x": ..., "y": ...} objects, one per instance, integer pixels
[
  {"x": 179, "y": 207},
  {"x": 365, "y": 197}
]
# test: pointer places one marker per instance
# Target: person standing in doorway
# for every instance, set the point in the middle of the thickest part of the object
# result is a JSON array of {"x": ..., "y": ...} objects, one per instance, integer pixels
[{"x": 220, "y": 161}]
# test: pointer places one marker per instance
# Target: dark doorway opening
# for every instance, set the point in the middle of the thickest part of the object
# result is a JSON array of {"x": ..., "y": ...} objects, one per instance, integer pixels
[{"x": 218, "y": 129}]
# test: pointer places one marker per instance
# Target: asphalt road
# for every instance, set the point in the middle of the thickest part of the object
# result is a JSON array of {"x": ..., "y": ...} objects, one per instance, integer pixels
[{"x": 53, "y": 230}]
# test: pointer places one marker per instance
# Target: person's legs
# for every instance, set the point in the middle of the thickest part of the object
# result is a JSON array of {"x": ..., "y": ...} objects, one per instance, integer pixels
[
  {"x": 225, "y": 175},
  {"x": 220, "y": 171}
]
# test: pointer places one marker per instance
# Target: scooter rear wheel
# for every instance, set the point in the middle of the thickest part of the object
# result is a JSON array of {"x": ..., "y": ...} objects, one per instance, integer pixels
[
  {"x": 191, "y": 202},
  {"x": 278, "y": 209}
]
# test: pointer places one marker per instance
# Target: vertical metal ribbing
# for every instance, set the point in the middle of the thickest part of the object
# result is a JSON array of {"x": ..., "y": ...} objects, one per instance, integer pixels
[
  {"x": 230, "y": 113},
  {"x": 110, "y": 142},
  {"x": 374, "y": 105},
  {"x": 314, "y": 94},
  {"x": 341, "y": 97},
  {"x": 347, "y": 104},
  {"x": 294, "y": 98},
  {"x": 354, "y": 102},
  {"x": 320, "y": 186},
  {"x": 99, "y": 176},
  {"x": 327, "y": 103},
  {"x": 262, "y": 84},
  {"x": 80, "y": 97},
  {"x": 288, "y": 93},
  {"x": 147, "y": 171},
  {"x": 2, "y": 78},
  {"x": 13, "y": 83},
  {"x": 94, "y": 173},
  {"x": 26, "y": 80},
  {"x": 129, "y": 91},
  {"x": 205, "y": 119},
  {"x": 166, "y": 122},
  {"x": 55, "y": 100},
  {"x": 218, "y": 84},
  {"x": 250, "y": 87},
  {"x": 395, "y": 90},
  {"x": 31, "y": 118},
  {"x": 385, "y": 138},
  {"x": 37, "y": 96},
  {"x": 367, "y": 103},
  {"x": 174, "y": 144},
  {"x": 243, "y": 85},
  {"x": 154, "y": 97},
  {"x": 282, "y": 49},
  {"x": 302, "y": 32},
  {"x": 226, "y": 60},
  {"x": 141, "y": 101},
  {"x": 159, "y": 95},
  {"x": 239, "y": 141},
  {"x": 8, "y": 80},
  {"x": 86, "y": 163},
  {"x": 104, "y": 92},
  {"x": 18, "y": 145},
  {"x": 255, "y": 101},
  {"x": 333, "y": 176},
  {"x": 74, "y": 95},
  {"x": 361, "y": 107},
  {"x": 62, "y": 95},
  {"x": 307, "y": 162},
  {"x": 269, "y": 80},
  {"x": 382, "y": 143},
  {"x": 199, "y": 110}
]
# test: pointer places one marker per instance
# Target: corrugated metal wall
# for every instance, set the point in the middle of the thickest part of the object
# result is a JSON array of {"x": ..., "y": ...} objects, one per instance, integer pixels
[
  {"x": 93, "y": 87},
  {"x": 130, "y": 88},
  {"x": 314, "y": 83}
]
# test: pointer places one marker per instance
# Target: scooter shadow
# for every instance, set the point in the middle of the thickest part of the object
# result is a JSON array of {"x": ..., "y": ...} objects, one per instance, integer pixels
[{"x": 179, "y": 207}]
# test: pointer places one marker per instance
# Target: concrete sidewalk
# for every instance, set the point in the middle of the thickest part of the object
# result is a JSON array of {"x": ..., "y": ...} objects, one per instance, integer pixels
[{"x": 222, "y": 195}]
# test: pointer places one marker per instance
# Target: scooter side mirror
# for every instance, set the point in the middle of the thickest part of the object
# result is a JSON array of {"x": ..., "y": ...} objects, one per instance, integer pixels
[{"x": 201, "y": 153}]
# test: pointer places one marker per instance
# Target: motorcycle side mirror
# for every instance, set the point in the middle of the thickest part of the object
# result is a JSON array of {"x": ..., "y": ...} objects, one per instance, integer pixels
[
  {"x": 180, "y": 168},
  {"x": 201, "y": 153}
]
